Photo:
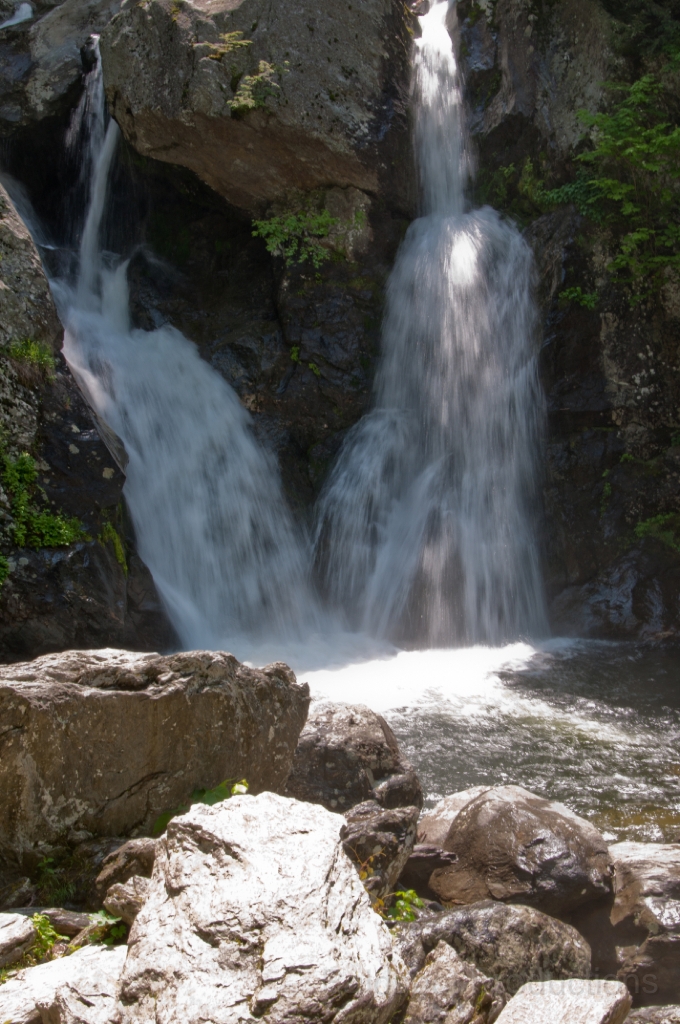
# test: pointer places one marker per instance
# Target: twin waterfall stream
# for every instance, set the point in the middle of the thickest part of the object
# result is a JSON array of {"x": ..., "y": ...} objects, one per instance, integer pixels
[
  {"x": 425, "y": 528},
  {"x": 419, "y": 583}
]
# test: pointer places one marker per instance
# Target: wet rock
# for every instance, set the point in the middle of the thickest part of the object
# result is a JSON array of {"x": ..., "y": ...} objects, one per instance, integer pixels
[
  {"x": 43, "y": 62},
  {"x": 434, "y": 827},
  {"x": 126, "y": 899},
  {"x": 635, "y": 935},
  {"x": 421, "y": 864},
  {"x": 211, "y": 718},
  {"x": 34, "y": 992},
  {"x": 514, "y": 944},
  {"x": 568, "y": 1002},
  {"x": 450, "y": 991},
  {"x": 17, "y": 936},
  {"x": 135, "y": 857},
  {"x": 380, "y": 842},
  {"x": 517, "y": 847},
  {"x": 254, "y": 908},
  {"x": 347, "y": 754},
  {"x": 259, "y": 101}
]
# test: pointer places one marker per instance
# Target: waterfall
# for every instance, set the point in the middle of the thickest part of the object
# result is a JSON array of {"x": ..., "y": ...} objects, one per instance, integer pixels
[
  {"x": 205, "y": 499},
  {"x": 426, "y": 528}
]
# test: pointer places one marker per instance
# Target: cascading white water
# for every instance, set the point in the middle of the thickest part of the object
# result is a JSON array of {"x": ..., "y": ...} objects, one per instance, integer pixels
[
  {"x": 205, "y": 498},
  {"x": 426, "y": 527}
]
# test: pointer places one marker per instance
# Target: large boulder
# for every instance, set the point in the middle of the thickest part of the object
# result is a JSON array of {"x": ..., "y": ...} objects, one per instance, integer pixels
[
  {"x": 88, "y": 978},
  {"x": 260, "y": 99},
  {"x": 106, "y": 741},
  {"x": 380, "y": 842},
  {"x": 513, "y": 944},
  {"x": 347, "y": 754},
  {"x": 17, "y": 935},
  {"x": 655, "y": 1015},
  {"x": 517, "y": 847},
  {"x": 133, "y": 859},
  {"x": 254, "y": 908},
  {"x": 450, "y": 991},
  {"x": 435, "y": 825},
  {"x": 635, "y": 935},
  {"x": 568, "y": 1002}
]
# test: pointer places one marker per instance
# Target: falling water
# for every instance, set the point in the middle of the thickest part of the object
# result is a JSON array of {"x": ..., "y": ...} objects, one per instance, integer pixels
[
  {"x": 205, "y": 499},
  {"x": 426, "y": 527}
]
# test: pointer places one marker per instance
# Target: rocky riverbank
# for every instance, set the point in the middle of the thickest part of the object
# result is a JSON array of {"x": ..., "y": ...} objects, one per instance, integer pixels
[{"x": 321, "y": 894}]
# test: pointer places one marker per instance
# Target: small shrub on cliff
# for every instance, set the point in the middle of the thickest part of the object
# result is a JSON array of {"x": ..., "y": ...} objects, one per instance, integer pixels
[
  {"x": 202, "y": 796},
  {"x": 34, "y": 527},
  {"x": 295, "y": 236},
  {"x": 665, "y": 528},
  {"x": 109, "y": 535},
  {"x": 34, "y": 354}
]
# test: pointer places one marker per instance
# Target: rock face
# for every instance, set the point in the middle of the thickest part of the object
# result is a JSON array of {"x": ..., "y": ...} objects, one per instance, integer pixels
[
  {"x": 434, "y": 827},
  {"x": 126, "y": 899},
  {"x": 568, "y": 1002},
  {"x": 635, "y": 935},
  {"x": 42, "y": 64},
  {"x": 517, "y": 847},
  {"x": 43, "y": 994},
  {"x": 451, "y": 991},
  {"x": 512, "y": 944},
  {"x": 655, "y": 1015},
  {"x": 106, "y": 741},
  {"x": 134, "y": 858},
  {"x": 347, "y": 754},
  {"x": 260, "y": 100},
  {"x": 17, "y": 935},
  {"x": 254, "y": 908},
  {"x": 380, "y": 842}
]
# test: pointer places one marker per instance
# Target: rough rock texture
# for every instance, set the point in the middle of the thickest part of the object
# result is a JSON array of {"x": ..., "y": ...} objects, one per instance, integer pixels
[
  {"x": 41, "y": 68},
  {"x": 66, "y": 922},
  {"x": 135, "y": 857},
  {"x": 347, "y": 754},
  {"x": 635, "y": 935},
  {"x": 513, "y": 944},
  {"x": 610, "y": 373},
  {"x": 126, "y": 899},
  {"x": 450, "y": 991},
  {"x": 434, "y": 827},
  {"x": 108, "y": 740},
  {"x": 380, "y": 842},
  {"x": 80, "y": 594},
  {"x": 17, "y": 935},
  {"x": 300, "y": 98},
  {"x": 255, "y": 909},
  {"x": 517, "y": 847},
  {"x": 655, "y": 1015},
  {"x": 420, "y": 867},
  {"x": 568, "y": 1002},
  {"x": 91, "y": 973}
]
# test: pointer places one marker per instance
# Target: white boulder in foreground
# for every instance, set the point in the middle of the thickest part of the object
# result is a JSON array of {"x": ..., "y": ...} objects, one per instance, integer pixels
[
  {"x": 17, "y": 935},
  {"x": 568, "y": 1002},
  {"x": 87, "y": 982},
  {"x": 254, "y": 909}
]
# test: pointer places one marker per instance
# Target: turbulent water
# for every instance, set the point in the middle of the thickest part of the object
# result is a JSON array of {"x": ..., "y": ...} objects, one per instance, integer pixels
[
  {"x": 427, "y": 526},
  {"x": 205, "y": 498}
]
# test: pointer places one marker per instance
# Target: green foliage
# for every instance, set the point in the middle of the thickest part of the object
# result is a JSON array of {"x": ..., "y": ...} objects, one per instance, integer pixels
[
  {"x": 34, "y": 527},
  {"x": 202, "y": 796},
  {"x": 315, "y": 369},
  {"x": 404, "y": 907},
  {"x": 111, "y": 931},
  {"x": 587, "y": 299},
  {"x": 295, "y": 353},
  {"x": 645, "y": 27},
  {"x": 47, "y": 937},
  {"x": 4, "y": 570},
  {"x": 232, "y": 42},
  {"x": 252, "y": 91},
  {"x": 55, "y": 888},
  {"x": 110, "y": 534},
  {"x": 33, "y": 353},
  {"x": 629, "y": 181},
  {"x": 295, "y": 236},
  {"x": 665, "y": 528},
  {"x": 626, "y": 457}
]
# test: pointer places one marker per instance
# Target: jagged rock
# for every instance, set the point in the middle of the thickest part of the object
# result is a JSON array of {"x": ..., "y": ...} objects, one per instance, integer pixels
[
  {"x": 513, "y": 944},
  {"x": 43, "y": 65},
  {"x": 135, "y": 857},
  {"x": 517, "y": 847},
  {"x": 421, "y": 864},
  {"x": 434, "y": 827},
  {"x": 254, "y": 908},
  {"x": 260, "y": 100},
  {"x": 126, "y": 899},
  {"x": 568, "y": 1002},
  {"x": 66, "y": 922},
  {"x": 655, "y": 1015},
  {"x": 18, "y": 893},
  {"x": 450, "y": 991},
  {"x": 347, "y": 754},
  {"x": 17, "y": 936},
  {"x": 635, "y": 935},
  {"x": 91, "y": 764},
  {"x": 380, "y": 842},
  {"x": 34, "y": 992}
]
